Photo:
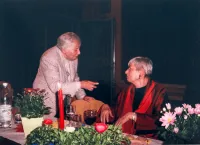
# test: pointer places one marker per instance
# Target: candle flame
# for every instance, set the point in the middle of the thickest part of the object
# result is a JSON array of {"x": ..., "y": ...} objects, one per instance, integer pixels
[{"x": 59, "y": 86}]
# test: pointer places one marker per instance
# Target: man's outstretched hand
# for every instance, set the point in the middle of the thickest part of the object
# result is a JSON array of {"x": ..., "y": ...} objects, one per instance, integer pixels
[{"x": 89, "y": 85}]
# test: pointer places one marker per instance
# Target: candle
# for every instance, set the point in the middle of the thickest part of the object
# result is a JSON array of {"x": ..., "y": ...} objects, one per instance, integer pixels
[{"x": 61, "y": 107}]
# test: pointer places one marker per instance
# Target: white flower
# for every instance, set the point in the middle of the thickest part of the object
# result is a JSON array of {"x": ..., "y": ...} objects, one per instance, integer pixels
[
  {"x": 164, "y": 109},
  {"x": 176, "y": 129},
  {"x": 69, "y": 129},
  {"x": 185, "y": 117}
]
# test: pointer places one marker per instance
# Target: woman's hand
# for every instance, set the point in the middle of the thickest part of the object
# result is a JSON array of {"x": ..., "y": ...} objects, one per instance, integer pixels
[
  {"x": 126, "y": 117},
  {"x": 105, "y": 113}
]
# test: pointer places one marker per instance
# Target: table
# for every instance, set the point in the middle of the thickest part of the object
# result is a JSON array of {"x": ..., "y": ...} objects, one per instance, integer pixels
[
  {"x": 137, "y": 140},
  {"x": 11, "y": 134}
]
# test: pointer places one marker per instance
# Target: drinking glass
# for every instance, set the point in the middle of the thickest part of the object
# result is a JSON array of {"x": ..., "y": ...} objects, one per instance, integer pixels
[
  {"x": 90, "y": 116},
  {"x": 70, "y": 112},
  {"x": 77, "y": 120}
]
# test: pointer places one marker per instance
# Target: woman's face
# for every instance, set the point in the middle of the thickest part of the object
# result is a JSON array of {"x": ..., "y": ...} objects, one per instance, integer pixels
[{"x": 132, "y": 74}]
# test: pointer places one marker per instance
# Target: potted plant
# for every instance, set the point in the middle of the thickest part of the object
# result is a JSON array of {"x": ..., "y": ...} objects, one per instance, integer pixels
[
  {"x": 180, "y": 125},
  {"x": 32, "y": 108}
]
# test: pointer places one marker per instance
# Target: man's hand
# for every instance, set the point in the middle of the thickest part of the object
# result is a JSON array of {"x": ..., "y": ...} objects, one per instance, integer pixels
[
  {"x": 87, "y": 98},
  {"x": 106, "y": 113},
  {"x": 125, "y": 118},
  {"x": 88, "y": 85}
]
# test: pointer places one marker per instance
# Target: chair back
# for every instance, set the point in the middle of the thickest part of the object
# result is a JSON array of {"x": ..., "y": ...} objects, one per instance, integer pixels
[
  {"x": 176, "y": 92},
  {"x": 82, "y": 105}
]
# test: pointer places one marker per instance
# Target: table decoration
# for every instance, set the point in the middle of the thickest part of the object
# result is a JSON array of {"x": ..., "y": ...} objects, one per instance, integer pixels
[
  {"x": 112, "y": 135},
  {"x": 32, "y": 108},
  {"x": 180, "y": 125},
  {"x": 101, "y": 127}
]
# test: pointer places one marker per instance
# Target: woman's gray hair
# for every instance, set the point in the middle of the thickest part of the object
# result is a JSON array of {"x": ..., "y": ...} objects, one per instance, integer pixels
[
  {"x": 67, "y": 39},
  {"x": 142, "y": 62}
]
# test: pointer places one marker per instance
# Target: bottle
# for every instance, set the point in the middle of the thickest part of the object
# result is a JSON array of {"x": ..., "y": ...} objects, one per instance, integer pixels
[{"x": 5, "y": 107}]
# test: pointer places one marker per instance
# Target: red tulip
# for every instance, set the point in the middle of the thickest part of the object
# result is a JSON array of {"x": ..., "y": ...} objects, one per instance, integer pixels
[
  {"x": 100, "y": 127},
  {"x": 47, "y": 122}
]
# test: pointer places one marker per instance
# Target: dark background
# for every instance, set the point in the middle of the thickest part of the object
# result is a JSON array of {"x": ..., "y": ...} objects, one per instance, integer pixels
[{"x": 167, "y": 31}]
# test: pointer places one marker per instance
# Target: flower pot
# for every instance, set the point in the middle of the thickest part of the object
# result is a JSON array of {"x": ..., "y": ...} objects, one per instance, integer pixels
[{"x": 31, "y": 124}]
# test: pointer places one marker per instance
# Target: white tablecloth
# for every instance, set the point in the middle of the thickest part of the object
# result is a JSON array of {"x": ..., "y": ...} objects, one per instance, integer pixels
[{"x": 11, "y": 134}]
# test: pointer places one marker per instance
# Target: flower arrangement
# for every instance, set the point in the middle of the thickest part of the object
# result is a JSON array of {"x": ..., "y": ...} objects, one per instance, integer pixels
[
  {"x": 100, "y": 134},
  {"x": 31, "y": 103},
  {"x": 180, "y": 125}
]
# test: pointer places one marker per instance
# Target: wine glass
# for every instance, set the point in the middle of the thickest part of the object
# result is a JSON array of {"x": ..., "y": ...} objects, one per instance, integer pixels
[
  {"x": 90, "y": 116},
  {"x": 70, "y": 112},
  {"x": 77, "y": 120}
]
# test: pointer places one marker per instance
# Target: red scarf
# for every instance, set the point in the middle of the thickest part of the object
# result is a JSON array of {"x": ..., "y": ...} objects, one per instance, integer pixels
[{"x": 125, "y": 103}]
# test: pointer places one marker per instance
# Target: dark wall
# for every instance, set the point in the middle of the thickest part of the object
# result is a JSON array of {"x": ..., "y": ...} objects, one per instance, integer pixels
[
  {"x": 31, "y": 27},
  {"x": 96, "y": 60},
  {"x": 28, "y": 29},
  {"x": 167, "y": 31}
]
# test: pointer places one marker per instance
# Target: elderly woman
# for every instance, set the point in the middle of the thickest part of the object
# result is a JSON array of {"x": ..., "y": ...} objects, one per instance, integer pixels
[{"x": 139, "y": 104}]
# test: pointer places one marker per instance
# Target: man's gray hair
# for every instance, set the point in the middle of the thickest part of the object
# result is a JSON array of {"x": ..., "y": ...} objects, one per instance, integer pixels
[
  {"x": 142, "y": 62},
  {"x": 67, "y": 39}
]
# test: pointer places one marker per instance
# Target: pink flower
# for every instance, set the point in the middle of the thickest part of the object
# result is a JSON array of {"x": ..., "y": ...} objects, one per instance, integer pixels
[
  {"x": 197, "y": 110},
  {"x": 168, "y": 105},
  {"x": 191, "y": 110},
  {"x": 167, "y": 119},
  {"x": 178, "y": 110},
  {"x": 197, "y": 105},
  {"x": 186, "y": 106},
  {"x": 176, "y": 129}
]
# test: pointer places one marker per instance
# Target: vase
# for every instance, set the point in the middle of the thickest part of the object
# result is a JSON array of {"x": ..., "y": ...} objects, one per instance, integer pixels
[{"x": 31, "y": 124}]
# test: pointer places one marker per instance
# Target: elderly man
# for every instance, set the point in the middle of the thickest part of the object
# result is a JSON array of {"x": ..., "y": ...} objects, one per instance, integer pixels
[
  {"x": 59, "y": 64},
  {"x": 138, "y": 105}
]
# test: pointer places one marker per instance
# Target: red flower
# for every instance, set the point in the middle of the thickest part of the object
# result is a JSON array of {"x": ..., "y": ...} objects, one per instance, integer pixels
[
  {"x": 47, "y": 122},
  {"x": 100, "y": 127},
  {"x": 28, "y": 90}
]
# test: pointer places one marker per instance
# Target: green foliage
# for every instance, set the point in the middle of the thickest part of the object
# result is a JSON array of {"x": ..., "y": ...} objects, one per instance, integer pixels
[
  {"x": 83, "y": 136},
  {"x": 31, "y": 104}
]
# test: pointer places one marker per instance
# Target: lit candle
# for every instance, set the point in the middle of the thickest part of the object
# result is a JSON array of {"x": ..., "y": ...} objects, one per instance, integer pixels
[{"x": 61, "y": 107}]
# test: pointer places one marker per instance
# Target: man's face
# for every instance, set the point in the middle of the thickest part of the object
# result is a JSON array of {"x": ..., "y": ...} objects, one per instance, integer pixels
[
  {"x": 132, "y": 74},
  {"x": 73, "y": 51}
]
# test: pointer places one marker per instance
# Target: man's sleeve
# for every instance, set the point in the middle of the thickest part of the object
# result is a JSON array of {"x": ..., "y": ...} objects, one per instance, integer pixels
[{"x": 80, "y": 93}]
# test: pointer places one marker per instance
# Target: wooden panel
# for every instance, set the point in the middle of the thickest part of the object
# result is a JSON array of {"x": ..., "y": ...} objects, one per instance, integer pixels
[{"x": 175, "y": 91}]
